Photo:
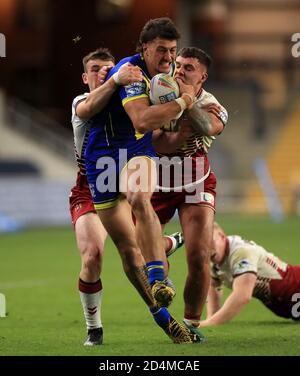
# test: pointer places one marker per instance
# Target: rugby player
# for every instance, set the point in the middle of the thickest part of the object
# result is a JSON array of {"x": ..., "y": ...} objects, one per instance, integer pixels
[
  {"x": 250, "y": 271},
  {"x": 90, "y": 233},
  {"x": 120, "y": 146},
  {"x": 188, "y": 140}
]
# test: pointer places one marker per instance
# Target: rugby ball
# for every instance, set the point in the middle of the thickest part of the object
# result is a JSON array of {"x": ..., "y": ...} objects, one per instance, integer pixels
[{"x": 163, "y": 89}]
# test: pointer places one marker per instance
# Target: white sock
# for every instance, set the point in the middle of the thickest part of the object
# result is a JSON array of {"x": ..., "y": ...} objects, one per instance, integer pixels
[
  {"x": 194, "y": 323},
  {"x": 91, "y": 304},
  {"x": 173, "y": 240},
  {"x": 91, "y": 296}
]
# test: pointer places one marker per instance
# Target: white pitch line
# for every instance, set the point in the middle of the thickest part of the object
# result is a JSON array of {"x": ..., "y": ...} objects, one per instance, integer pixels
[{"x": 23, "y": 284}]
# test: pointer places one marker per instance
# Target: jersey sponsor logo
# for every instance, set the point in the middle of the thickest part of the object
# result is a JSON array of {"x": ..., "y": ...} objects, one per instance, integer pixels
[
  {"x": 135, "y": 89},
  {"x": 241, "y": 267}
]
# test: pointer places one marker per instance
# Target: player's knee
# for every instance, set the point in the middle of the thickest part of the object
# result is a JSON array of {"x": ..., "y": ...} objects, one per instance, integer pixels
[
  {"x": 91, "y": 257},
  {"x": 140, "y": 203},
  {"x": 198, "y": 259}
]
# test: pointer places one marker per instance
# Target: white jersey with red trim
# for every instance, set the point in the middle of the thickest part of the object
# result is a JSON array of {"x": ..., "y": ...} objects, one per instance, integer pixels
[
  {"x": 195, "y": 141},
  {"x": 81, "y": 132},
  {"x": 247, "y": 257}
]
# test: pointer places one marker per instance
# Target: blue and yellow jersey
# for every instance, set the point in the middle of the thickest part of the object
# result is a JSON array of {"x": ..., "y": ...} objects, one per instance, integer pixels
[{"x": 112, "y": 128}]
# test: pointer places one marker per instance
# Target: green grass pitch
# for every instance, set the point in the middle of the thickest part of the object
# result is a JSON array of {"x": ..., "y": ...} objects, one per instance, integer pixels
[{"x": 39, "y": 272}]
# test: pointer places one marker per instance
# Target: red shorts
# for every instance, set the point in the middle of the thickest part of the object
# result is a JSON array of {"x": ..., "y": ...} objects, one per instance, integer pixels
[
  {"x": 80, "y": 199},
  {"x": 282, "y": 292},
  {"x": 166, "y": 203}
]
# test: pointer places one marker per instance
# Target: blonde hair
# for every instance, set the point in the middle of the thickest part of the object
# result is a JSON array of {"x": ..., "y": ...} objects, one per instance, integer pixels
[{"x": 217, "y": 227}]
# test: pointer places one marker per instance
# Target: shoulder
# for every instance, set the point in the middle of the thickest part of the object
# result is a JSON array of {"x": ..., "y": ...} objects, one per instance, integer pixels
[
  {"x": 78, "y": 99},
  {"x": 243, "y": 255},
  {"x": 76, "y": 121},
  {"x": 129, "y": 59},
  {"x": 206, "y": 97}
]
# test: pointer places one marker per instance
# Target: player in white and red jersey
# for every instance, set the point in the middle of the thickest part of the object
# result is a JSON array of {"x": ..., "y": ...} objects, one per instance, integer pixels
[
  {"x": 90, "y": 233},
  {"x": 250, "y": 271},
  {"x": 193, "y": 195}
]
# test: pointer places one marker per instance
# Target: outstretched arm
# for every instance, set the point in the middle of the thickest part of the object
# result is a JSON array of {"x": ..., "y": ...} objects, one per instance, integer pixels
[
  {"x": 214, "y": 297},
  {"x": 243, "y": 286}
]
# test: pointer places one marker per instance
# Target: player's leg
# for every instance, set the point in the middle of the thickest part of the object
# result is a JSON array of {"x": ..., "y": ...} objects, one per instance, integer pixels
[
  {"x": 90, "y": 236},
  {"x": 137, "y": 181},
  {"x": 164, "y": 205},
  {"x": 117, "y": 221},
  {"x": 197, "y": 226},
  {"x": 173, "y": 242}
]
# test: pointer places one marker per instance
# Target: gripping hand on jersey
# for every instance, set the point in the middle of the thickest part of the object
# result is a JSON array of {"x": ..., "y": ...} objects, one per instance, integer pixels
[{"x": 127, "y": 74}]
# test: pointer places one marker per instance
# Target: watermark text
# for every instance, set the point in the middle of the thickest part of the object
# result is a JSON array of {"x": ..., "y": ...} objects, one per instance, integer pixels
[
  {"x": 296, "y": 47},
  {"x": 2, "y": 45}
]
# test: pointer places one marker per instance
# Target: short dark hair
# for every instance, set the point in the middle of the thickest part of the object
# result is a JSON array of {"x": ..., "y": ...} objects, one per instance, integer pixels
[
  {"x": 196, "y": 53},
  {"x": 157, "y": 28},
  {"x": 101, "y": 54}
]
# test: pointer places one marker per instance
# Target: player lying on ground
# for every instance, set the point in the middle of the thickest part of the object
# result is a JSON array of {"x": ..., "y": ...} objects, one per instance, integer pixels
[{"x": 250, "y": 271}]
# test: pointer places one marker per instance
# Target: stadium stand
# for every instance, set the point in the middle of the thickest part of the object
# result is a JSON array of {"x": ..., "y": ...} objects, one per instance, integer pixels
[{"x": 35, "y": 178}]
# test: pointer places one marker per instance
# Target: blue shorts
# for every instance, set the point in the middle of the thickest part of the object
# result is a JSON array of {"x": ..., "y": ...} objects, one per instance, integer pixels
[{"x": 103, "y": 175}]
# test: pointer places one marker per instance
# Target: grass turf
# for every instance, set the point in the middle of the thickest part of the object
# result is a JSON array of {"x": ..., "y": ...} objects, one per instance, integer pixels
[{"x": 38, "y": 275}]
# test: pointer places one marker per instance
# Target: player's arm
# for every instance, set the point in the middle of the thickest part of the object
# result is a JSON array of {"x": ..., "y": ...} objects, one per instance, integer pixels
[
  {"x": 98, "y": 98},
  {"x": 148, "y": 118},
  {"x": 205, "y": 119},
  {"x": 243, "y": 286},
  {"x": 214, "y": 297}
]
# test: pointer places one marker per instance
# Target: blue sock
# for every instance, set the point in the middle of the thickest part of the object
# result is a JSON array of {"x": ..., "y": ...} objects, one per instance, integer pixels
[
  {"x": 161, "y": 316},
  {"x": 156, "y": 271}
]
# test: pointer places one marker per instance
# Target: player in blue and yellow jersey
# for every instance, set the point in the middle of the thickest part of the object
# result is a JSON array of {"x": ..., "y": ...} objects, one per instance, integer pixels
[
  {"x": 120, "y": 169},
  {"x": 90, "y": 233}
]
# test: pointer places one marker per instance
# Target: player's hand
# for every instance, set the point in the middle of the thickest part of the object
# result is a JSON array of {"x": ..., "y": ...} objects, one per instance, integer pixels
[
  {"x": 102, "y": 74},
  {"x": 204, "y": 323},
  {"x": 186, "y": 89},
  {"x": 212, "y": 108},
  {"x": 129, "y": 73}
]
